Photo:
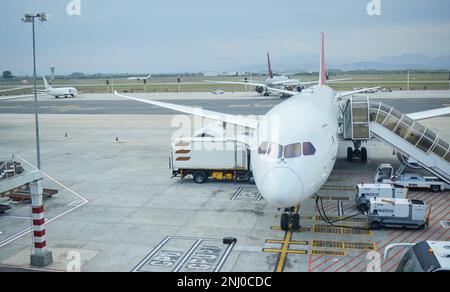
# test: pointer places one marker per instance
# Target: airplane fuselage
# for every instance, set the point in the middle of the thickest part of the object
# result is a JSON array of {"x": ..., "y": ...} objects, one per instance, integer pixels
[
  {"x": 62, "y": 91},
  {"x": 278, "y": 82},
  {"x": 295, "y": 147}
]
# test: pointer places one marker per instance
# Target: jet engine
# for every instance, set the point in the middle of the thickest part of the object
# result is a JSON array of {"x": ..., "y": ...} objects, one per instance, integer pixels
[
  {"x": 259, "y": 89},
  {"x": 300, "y": 88}
]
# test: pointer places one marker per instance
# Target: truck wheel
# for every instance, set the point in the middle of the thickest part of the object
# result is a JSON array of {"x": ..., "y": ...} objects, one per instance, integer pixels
[
  {"x": 421, "y": 226},
  {"x": 363, "y": 207},
  {"x": 349, "y": 154},
  {"x": 199, "y": 177},
  {"x": 284, "y": 222},
  {"x": 363, "y": 155},
  {"x": 435, "y": 188},
  {"x": 375, "y": 225}
]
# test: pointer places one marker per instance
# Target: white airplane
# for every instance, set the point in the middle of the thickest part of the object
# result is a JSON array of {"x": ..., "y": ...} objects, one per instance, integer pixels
[
  {"x": 273, "y": 82},
  {"x": 139, "y": 78},
  {"x": 277, "y": 83},
  {"x": 294, "y": 146},
  {"x": 57, "y": 92},
  {"x": 218, "y": 91}
]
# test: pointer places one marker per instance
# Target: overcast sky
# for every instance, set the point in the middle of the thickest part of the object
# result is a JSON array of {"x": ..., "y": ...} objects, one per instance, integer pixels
[{"x": 206, "y": 35}]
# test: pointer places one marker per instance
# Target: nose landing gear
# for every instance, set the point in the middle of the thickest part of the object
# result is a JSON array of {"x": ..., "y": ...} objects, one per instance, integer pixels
[
  {"x": 357, "y": 153},
  {"x": 290, "y": 219}
]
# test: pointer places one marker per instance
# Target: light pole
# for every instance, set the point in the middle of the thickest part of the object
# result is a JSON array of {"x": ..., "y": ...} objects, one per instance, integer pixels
[
  {"x": 41, "y": 256},
  {"x": 30, "y": 18}
]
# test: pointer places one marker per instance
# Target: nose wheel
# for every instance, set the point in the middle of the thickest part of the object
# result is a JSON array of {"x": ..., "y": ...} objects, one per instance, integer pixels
[
  {"x": 290, "y": 220},
  {"x": 357, "y": 153}
]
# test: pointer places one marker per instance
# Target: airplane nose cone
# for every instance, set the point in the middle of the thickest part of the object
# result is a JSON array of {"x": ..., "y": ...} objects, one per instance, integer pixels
[{"x": 282, "y": 188}]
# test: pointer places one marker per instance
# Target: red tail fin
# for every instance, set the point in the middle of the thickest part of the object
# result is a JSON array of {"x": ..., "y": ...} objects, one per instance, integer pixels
[
  {"x": 323, "y": 75},
  {"x": 270, "y": 67}
]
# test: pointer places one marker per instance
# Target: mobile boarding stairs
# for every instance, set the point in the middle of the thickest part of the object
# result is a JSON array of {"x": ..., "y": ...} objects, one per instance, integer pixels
[{"x": 364, "y": 119}]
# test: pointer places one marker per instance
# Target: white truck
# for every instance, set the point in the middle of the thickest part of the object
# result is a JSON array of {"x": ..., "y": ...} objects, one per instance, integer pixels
[
  {"x": 387, "y": 191},
  {"x": 205, "y": 157},
  {"x": 385, "y": 174},
  {"x": 401, "y": 213}
]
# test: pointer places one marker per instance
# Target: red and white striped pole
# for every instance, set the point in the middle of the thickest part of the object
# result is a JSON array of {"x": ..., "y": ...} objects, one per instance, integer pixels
[{"x": 41, "y": 256}]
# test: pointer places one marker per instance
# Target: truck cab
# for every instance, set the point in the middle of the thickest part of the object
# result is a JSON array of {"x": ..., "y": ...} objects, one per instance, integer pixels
[{"x": 385, "y": 174}]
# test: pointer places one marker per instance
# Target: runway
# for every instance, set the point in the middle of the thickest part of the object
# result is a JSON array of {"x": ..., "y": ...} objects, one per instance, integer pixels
[{"x": 245, "y": 106}]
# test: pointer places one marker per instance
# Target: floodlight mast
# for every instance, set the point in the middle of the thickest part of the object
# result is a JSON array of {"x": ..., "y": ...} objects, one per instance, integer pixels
[
  {"x": 41, "y": 256},
  {"x": 30, "y": 18}
]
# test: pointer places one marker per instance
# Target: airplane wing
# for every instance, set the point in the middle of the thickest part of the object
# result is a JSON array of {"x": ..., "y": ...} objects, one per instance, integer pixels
[
  {"x": 429, "y": 114},
  {"x": 228, "y": 118},
  {"x": 293, "y": 81},
  {"x": 328, "y": 81},
  {"x": 17, "y": 88},
  {"x": 348, "y": 93},
  {"x": 18, "y": 96},
  {"x": 284, "y": 91},
  {"x": 237, "y": 83},
  {"x": 337, "y": 80}
]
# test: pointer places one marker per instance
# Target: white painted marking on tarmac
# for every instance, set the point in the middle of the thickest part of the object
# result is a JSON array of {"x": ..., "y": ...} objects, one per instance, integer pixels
[
  {"x": 224, "y": 257},
  {"x": 74, "y": 203},
  {"x": 187, "y": 255},
  {"x": 238, "y": 105}
]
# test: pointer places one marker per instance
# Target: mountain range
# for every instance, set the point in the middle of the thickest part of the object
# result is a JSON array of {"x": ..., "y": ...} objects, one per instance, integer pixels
[{"x": 399, "y": 62}]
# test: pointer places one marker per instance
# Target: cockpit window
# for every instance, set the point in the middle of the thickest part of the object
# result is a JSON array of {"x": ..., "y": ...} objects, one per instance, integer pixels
[
  {"x": 263, "y": 148},
  {"x": 308, "y": 149},
  {"x": 293, "y": 150},
  {"x": 275, "y": 150}
]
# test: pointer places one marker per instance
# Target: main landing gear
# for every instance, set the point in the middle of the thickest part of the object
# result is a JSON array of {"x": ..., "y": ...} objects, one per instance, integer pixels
[
  {"x": 357, "y": 153},
  {"x": 290, "y": 219}
]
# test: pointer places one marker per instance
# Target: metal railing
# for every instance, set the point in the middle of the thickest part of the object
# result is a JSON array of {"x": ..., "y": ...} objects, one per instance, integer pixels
[
  {"x": 409, "y": 130},
  {"x": 3, "y": 167}
]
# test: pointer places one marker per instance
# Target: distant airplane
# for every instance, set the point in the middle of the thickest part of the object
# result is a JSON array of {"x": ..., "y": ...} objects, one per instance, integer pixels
[
  {"x": 217, "y": 91},
  {"x": 294, "y": 146},
  {"x": 276, "y": 82},
  {"x": 280, "y": 82},
  {"x": 139, "y": 78},
  {"x": 57, "y": 92}
]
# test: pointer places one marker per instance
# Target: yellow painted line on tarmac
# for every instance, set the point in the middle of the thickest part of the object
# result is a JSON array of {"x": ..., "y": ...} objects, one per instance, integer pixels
[
  {"x": 282, "y": 260},
  {"x": 290, "y": 242},
  {"x": 293, "y": 251},
  {"x": 302, "y": 229}
]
